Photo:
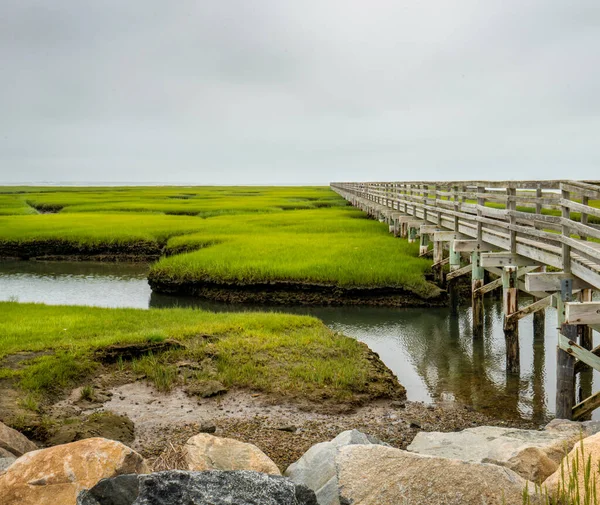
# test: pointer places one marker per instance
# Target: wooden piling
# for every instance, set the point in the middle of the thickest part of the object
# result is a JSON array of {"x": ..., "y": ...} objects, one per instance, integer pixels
[
  {"x": 477, "y": 281},
  {"x": 539, "y": 317},
  {"x": 438, "y": 256},
  {"x": 424, "y": 243},
  {"x": 510, "y": 293},
  {"x": 586, "y": 338},
  {"x": 453, "y": 284},
  {"x": 412, "y": 234},
  {"x": 565, "y": 362}
]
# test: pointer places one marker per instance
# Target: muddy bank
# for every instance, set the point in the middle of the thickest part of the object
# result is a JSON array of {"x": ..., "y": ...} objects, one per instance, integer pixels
[
  {"x": 57, "y": 250},
  {"x": 284, "y": 430},
  {"x": 295, "y": 293}
]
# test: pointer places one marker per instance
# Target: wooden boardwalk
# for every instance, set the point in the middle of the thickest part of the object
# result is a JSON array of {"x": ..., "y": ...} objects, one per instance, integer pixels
[{"x": 537, "y": 237}]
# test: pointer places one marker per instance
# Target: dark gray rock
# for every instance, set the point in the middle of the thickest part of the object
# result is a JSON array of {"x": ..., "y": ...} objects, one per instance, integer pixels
[{"x": 177, "y": 487}]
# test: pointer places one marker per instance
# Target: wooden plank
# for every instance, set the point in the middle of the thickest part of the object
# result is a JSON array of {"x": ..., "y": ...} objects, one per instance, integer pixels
[
  {"x": 550, "y": 281},
  {"x": 578, "y": 207},
  {"x": 445, "y": 261},
  {"x": 574, "y": 349},
  {"x": 503, "y": 259},
  {"x": 457, "y": 273},
  {"x": 490, "y": 286},
  {"x": 447, "y": 236},
  {"x": 473, "y": 245},
  {"x": 428, "y": 229},
  {"x": 582, "y": 313},
  {"x": 582, "y": 189},
  {"x": 530, "y": 309},
  {"x": 582, "y": 409}
]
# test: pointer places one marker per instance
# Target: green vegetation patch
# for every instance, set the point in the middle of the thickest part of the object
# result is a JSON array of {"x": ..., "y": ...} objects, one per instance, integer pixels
[
  {"x": 287, "y": 355},
  {"x": 225, "y": 236}
]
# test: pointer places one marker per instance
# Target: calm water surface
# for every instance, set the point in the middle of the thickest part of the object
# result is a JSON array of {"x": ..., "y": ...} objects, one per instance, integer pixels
[{"x": 432, "y": 353}]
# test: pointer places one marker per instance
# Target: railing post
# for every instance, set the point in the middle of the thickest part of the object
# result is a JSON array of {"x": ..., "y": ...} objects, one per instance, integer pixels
[
  {"x": 456, "y": 207},
  {"x": 584, "y": 217},
  {"x": 480, "y": 203},
  {"x": 510, "y": 293},
  {"x": 566, "y": 249},
  {"x": 565, "y": 362},
  {"x": 511, "y": 205}
]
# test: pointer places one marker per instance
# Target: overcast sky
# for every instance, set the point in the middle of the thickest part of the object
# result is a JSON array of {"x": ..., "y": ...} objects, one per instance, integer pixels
[{"x": 298, "y": 91}]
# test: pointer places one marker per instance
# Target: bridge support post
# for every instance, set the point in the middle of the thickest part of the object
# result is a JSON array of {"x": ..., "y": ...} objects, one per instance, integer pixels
[
  {"x": 586, "y": 339},
  {"x": 412, "y": 234},
  {"x": 438, "y": 256},
  {"x": 510, "y": 291},
  {"x": 539, "y": 318},
  {"x": 453, "y": 284},
  {"x": 477, "y": 277},
  {"x": 565, "y": 362},
  {"x": 424, "y": 243}
]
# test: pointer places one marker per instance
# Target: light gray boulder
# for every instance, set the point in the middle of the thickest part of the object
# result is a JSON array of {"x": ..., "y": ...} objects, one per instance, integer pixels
[
  {"x": 6, "y": 462},
  {"x": 316, "y": 468},
  {"x": 377, "y": 475},
  {"x": 534, "y": 455}
]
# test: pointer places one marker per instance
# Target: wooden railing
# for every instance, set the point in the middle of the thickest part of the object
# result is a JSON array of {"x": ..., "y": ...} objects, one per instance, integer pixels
[{"x": 552, "y": 222}]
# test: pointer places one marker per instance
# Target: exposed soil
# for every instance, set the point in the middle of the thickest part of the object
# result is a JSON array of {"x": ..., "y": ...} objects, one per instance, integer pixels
[
  {"x": 69, "y": 251},
  {"x": 296, "y": 293},
  {"x": 283, "y": 430}
]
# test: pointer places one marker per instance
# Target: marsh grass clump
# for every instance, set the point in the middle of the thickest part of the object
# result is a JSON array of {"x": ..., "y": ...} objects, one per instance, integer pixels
[
  {"x": 281, "y": 354},
  {"x": 87, "y": 393},
  {"x": 160, "y": 373},
  {"x": 48, "y": 374},
  {"x": 576, "y": 485}
]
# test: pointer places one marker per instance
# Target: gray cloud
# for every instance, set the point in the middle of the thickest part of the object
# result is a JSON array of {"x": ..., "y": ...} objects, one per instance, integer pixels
[{"x": 279, "y": 91}]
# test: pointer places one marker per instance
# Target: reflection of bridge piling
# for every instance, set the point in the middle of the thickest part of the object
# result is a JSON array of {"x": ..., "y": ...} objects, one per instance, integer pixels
[{"x": 512, "y": 231}]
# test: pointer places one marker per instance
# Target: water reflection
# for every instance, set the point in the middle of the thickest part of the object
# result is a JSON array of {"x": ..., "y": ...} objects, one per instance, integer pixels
[{"x": 432, "y": 353}]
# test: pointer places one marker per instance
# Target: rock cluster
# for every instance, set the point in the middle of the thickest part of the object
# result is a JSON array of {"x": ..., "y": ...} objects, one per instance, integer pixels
[{"x": 478, "y": 466}]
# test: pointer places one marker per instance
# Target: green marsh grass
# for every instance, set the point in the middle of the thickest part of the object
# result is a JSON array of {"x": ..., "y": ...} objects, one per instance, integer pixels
[
  {"x": 225, "y": 235},
  {"x": 276, "y": 353}
]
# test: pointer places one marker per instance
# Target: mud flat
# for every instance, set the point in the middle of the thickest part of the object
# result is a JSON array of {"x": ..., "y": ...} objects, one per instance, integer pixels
[{"x": 295, "y": 293}]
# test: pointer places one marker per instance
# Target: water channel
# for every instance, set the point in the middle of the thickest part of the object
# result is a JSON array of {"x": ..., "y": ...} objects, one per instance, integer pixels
[{"x": 432, "y": 353}]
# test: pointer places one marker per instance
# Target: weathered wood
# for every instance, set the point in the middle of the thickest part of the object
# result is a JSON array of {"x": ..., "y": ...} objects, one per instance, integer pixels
[
  {"x": 510, "y": 305},
  {"x": 582, "y": 313},
  {"x": 551, "y": 281},
  {"x": 502, "y": 259},
  {"x": 458, "y": 273},
  {"x": 454, "y": 260},
  {"x": 586, "y": 333},
  {"x": 447, "y": 236},
  {"x": 477, "y": 279},
  {"x": 539, "y": 316},
  {"x": 570, "y": 346},
  {"x": 489, "y": 287},
  {"x": 473, "y": 245},
  {"x": 531, "y": 309},
  {"x": 565, "y": 362},
  {"x": 582, "y": 409}
]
